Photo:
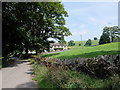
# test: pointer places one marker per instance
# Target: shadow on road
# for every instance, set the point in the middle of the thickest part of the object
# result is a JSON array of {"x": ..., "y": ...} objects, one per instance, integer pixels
[
  {"x": 28, "y": 84},
  {"x": 15, "y": 64}
]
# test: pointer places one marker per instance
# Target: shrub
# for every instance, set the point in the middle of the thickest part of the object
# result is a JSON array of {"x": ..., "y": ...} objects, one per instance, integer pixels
[
  {"x": 71, "y": 43},
  {"x": 95, "y": 38},
  {"x": 88, "y": 43},
  {"x": 58, "y": 48},
  {"x": 79, "y": 44}
]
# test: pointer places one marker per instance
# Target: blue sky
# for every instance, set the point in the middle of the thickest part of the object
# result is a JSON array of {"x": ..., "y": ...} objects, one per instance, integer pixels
[{"x": 89, "y": 18}]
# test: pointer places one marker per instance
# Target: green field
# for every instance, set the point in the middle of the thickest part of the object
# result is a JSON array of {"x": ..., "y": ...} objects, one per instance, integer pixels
[
  {"x": 89, "y": 52},
  {"x": 94, "y": 42}
]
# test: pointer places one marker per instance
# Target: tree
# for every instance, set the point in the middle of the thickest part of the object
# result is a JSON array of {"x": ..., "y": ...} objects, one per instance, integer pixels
[
  {"x": 95, "y": 38},
  {"x": 88, "y": 42},
  {"x": 28, "y": 25},
  {"x": 71, "y": 43},
  {"x": 104, "y": 38},
  {"x": 110, "y": 34},
  {"x": 79, "y": 44}
]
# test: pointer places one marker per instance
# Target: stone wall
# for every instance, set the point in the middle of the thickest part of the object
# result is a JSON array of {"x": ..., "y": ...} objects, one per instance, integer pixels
[{"x": 101, "y": 66}]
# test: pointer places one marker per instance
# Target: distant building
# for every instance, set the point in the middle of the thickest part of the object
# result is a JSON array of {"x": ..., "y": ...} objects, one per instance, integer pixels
[{"x": 57, "y": 46}]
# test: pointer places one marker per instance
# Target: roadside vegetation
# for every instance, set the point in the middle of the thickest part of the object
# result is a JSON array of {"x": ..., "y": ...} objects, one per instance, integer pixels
[{"x": 59, "y": 78}]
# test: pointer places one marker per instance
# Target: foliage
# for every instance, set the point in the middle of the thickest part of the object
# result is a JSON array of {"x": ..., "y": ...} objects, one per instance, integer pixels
[
  {"x": 88, "y": 42},
  {"x": 104, "y": 38},
  {"x": 95, "y": 38},
  {"x": 79, "y": 44},
  {"x": 58, "y": 48},
  {"x": 110, "y": 34},
  {"x": 89, "y": 52},
  {"x": 28, "y": 25},
  {"x": 71, "y": 43}
]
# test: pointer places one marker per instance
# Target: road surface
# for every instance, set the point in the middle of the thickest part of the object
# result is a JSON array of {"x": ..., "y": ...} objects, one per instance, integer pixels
[{"x": 18, "y": 75}]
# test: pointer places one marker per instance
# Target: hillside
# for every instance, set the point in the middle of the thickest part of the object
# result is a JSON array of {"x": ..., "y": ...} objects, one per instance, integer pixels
[
  {"x": 90, "y": 52},
  {"x": 94, "y": 42}
]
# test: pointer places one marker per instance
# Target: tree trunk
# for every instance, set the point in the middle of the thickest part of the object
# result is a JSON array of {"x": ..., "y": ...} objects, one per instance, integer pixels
[{"x": 26, "y": 51}]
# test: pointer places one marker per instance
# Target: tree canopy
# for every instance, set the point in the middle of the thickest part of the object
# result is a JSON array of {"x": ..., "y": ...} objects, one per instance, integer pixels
[
  {"x": 88, "y": 42},
  {"x": 71, "y": 43},
  {"x": 110, "y": 34},
  {"x": 28, "y": 25}
]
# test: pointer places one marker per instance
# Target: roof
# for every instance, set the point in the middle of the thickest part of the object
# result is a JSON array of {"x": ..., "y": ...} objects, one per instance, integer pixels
[{"x": 57, "y": 44}]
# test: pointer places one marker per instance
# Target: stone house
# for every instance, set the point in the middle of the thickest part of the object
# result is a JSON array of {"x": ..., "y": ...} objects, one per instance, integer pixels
[{"x": 57, "y": 46}]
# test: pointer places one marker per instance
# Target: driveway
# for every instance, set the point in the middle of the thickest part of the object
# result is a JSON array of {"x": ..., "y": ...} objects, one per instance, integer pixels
[{"x": 18, "y": 75}]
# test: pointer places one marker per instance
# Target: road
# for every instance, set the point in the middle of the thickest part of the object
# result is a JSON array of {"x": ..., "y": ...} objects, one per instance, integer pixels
[{"x": 18, "y": 75}]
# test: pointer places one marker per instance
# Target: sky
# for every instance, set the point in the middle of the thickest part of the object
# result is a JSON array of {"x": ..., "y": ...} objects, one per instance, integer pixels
[{"x": 87, "y": 19}]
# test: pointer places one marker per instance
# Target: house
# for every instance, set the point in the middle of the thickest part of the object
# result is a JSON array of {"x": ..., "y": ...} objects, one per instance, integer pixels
[{"x": 57, "y": 46}]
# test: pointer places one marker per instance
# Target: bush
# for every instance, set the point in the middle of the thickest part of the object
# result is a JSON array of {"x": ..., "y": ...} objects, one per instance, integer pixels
[
  {"x": 79, "y": 44},
  {"x": 88, "y": 43},
  {"x": 71, "y": 43},
  {"x": 95, "y": 38},
  {"x": 58, "y": 49},
  {"x": 104, "y": 39}
]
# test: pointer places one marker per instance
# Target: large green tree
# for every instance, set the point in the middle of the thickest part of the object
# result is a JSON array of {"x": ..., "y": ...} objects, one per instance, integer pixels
[
  {"x": 28, "y": 25},
  {"x": 110, "y": 34}
]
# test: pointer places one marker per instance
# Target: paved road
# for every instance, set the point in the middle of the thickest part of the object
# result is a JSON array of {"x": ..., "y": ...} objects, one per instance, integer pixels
[{"x": 18, "y": 75}]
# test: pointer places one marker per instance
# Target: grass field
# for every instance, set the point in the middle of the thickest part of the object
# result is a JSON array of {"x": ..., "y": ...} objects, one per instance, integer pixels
[
  {"x": 94, "y": 42},
  {"x": 89, "y": 52}
]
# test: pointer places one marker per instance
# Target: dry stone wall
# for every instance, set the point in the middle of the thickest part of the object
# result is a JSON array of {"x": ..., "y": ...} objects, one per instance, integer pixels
[{"x": 101, "y": 66}]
